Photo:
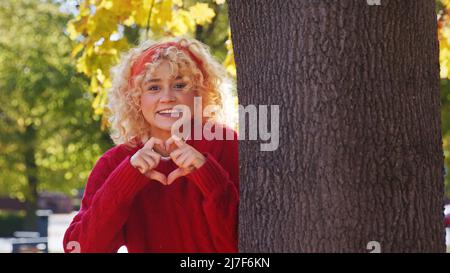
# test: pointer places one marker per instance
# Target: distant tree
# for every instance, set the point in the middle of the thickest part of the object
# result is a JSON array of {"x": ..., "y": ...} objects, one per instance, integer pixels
[{"x": 48, "y": 138}]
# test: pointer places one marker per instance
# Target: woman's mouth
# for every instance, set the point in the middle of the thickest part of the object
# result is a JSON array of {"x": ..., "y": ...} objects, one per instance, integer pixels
[{"x": 169, "y": 113}]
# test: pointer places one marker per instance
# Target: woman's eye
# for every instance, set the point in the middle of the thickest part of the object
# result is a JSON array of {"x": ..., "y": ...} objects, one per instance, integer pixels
[
  {"x": 180, "y": 85},
  {"x": 153, "y": 88}
]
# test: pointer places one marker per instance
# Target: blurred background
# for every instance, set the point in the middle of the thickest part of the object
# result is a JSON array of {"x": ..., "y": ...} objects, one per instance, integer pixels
[{"x": 55, "y": 58}]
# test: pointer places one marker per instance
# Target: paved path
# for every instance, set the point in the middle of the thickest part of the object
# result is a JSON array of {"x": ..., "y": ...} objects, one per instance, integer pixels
[{"x": 58, "y": 224}]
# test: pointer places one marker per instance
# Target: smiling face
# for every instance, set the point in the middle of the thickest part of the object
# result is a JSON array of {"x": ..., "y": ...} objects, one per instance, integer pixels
[{"x": 161, "y": 92}]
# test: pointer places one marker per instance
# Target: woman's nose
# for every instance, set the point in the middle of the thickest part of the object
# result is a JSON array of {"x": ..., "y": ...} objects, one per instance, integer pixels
[{"x": 167, "y": 95}]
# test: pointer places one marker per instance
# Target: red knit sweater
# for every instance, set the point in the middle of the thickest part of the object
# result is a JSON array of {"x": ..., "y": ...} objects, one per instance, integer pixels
[{"x": 196, "y": 213}]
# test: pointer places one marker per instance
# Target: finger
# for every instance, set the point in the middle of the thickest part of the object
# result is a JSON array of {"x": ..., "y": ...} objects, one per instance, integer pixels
[
  {"x": 141, "y": 164},
  {"x": 149, "y": 160},
  {"x": 179, "y": 160},
  {"x": 184, "y": 160},
  {"x": 152, "y": 141},
  {"x": 175, "y": 139},
  {"x": 155, "y": 175},
  {"x": 188, "y": 163},
  {"x": 156, "y": 157},
  {"x": 175, "y": 154},
  {"x": 174, "y": 175}
]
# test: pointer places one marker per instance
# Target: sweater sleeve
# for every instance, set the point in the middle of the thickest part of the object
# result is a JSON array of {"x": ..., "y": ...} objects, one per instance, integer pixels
[
  {"x": 99, "y": 225},
  {"x": 218, "y": 180}
]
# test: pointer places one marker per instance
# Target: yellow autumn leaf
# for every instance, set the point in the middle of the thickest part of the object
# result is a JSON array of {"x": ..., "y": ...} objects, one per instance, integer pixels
[
  {"x": 446, "y": 3},
  {"x": 141, "y": 11},
  {"x": 178, "y": 3},
  {"x": 121, "y": 9},
  {"x": 105, "y": 124},
  {"x": 101, "y": 24},
  {"x": 106, "y": 4},
  {"x": 107, "y": 83},
  {"x": 444, "y": 52},
  {"x": 84, "y": 8},
  {"x": 71, "y": 30},
  {"x": 164, "y": 11},
  {"x": 202, "y": 13},
  {"x": 100, "y": 76},
  {"x": 81, "y": 65},
  {"x": 181, "y": 23},
  {"x": 76, "y": 50},
  {"x": 129, "y": 21},
  {"x": 161, "y": 14},
  {"x": 99, "y": 103},
  {"x": 94, "y": 85},
  {"x": 229, "y": 63},
  {"x": 77, "y": 27}
]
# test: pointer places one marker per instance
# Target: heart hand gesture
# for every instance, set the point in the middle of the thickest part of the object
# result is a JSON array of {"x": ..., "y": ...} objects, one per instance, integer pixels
[
  {"x": 186, "y": 157},
  {"x": 145, "y": 160}
]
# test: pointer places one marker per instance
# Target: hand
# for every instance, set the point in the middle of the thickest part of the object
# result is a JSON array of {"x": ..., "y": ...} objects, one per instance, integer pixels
[
  {"x": 185, "y": 156},
  {"x": 145, "y": 160}
]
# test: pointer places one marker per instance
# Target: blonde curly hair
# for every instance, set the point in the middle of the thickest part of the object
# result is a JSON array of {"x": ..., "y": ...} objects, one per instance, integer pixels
[{"x": 128, "y": 125}]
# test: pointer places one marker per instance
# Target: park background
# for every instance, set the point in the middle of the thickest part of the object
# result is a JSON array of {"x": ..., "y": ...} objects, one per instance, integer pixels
[{"x": 55, "y": 58}]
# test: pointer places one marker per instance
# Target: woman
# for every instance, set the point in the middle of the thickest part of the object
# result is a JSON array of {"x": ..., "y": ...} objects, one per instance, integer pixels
[{"x": 154, "y": 191}]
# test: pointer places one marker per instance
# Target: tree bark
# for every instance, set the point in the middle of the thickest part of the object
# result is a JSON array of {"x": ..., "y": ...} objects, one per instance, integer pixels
[{"x": 360, "y": 156}]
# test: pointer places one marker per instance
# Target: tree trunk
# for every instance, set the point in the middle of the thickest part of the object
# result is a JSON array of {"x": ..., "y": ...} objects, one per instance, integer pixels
[
  {"x": 31, "y": 170},
  {"x": 360, "y": 156}
]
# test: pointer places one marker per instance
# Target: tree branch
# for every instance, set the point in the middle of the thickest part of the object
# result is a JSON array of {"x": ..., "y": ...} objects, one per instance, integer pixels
[{"x": 148, "y": 20}]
